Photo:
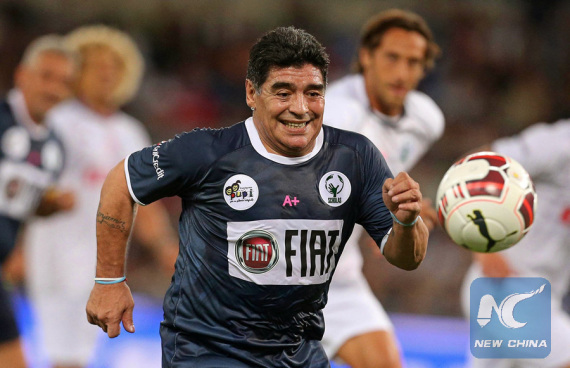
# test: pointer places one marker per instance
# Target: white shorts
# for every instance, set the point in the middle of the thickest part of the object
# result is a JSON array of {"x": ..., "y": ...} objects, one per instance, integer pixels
[
  {"x": 67, "y": 337},
  {"x": 560, "y": 337},
  {"x": 352, "y": 309},
  {"x": 59, "y": 280}
]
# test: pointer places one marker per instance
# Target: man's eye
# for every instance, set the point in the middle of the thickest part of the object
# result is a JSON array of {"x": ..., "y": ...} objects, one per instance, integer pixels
[{"x": 415, "y": 63}]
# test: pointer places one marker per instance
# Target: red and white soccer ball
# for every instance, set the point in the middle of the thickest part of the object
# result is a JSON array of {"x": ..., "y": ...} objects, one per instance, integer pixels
[{"x": 486, "y": 202}]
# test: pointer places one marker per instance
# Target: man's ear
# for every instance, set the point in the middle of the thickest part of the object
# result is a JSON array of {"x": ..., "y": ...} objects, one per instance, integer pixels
[
  {"x": 364, "y": 57},
  {"x": 250, "y": 93},
  {"x": 19, "y": 76}
]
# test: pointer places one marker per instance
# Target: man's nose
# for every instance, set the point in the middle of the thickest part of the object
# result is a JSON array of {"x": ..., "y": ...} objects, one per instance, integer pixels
[
  {"x": 299, "y": 105},
  {"x": 402, "y": 70}
]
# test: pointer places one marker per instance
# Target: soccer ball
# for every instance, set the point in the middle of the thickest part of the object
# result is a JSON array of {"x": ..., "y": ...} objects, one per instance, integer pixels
[{"x": 486, "y": 202}]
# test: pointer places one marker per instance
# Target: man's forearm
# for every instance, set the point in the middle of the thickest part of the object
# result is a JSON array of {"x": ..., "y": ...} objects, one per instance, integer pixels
[
  {"x": 114, "y": 222},
  {"x": 406, "y": 246}
]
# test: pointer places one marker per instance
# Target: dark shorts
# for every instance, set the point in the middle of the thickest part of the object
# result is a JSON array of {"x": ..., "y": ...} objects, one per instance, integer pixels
[
  {"x": 8, "y": 325},
  {"x": 179, "y": 350},
  {"x": 8, "y": 235}
]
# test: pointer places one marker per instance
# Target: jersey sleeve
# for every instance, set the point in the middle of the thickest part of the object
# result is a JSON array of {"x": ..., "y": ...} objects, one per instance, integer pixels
[
  {"x": 374, "y": 215},
  {"x": 63, "y": 157},
  {"x": 540, "y": 148},
  {"x": 57, "y": 121},
  {"x": 165, "y": 169}
]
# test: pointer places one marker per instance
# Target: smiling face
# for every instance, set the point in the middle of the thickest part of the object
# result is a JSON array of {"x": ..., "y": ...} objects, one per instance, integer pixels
[
  {"x": 288, "y": 109},
  {"x": 393, "y": 69}
]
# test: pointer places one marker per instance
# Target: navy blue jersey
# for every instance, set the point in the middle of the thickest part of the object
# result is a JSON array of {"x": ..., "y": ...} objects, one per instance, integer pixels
[
  {"x": 30, "y": 160},
  {"x": 29, "y": 163},
  {"x": 260, "y": 235}
]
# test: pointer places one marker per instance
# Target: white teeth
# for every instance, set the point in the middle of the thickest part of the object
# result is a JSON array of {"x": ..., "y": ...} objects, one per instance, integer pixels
[{"x": 292, "y": 125}]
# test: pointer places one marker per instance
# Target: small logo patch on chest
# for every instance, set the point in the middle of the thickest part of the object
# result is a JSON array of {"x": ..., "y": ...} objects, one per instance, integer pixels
[
  {"x": 241, "y": 192},
  {"x": 334, "y": 188}
]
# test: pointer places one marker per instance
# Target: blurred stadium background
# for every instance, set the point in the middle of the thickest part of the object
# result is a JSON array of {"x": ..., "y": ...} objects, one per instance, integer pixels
[{"x": 505, "y": 64}]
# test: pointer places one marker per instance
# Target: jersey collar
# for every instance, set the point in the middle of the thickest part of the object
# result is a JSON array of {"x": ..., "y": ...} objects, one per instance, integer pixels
[
  {"x": 260, "y": 148},
  {"x": 18, "y": 105}
]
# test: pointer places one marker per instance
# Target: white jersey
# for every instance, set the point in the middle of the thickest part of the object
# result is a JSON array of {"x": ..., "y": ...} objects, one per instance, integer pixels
[
  {"x": 61, "y": 249},
  {"x": 352, "y": 308},
  {"x": 544, "y": 152},
  {"x": 402, "y": 141}
]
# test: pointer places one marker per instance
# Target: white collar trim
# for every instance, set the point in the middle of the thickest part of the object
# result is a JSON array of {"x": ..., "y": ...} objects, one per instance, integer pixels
[
  {"x": 260, "y": 148},
  {"x": 18, "y": 104}
]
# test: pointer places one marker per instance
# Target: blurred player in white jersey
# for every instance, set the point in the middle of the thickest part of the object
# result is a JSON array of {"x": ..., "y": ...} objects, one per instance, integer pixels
[
  {"x": 31, "y": 158},
  {"x": 60, "y": 251},
  {"x": 544, "y": 152},
  {"x": 380, "y": 101}
]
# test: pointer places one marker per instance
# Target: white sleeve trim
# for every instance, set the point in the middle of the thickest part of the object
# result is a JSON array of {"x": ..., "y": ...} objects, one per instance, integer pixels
[
  {"x": 133, "y": 196},
  {"x": 384, "y": 241}
]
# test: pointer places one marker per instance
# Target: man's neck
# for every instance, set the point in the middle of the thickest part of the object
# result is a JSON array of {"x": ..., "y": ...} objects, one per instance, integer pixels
[
  {"x": 36, "y": 118},
  {"x": 391, "y": 110},
  {"x": 103, "y": 108}
]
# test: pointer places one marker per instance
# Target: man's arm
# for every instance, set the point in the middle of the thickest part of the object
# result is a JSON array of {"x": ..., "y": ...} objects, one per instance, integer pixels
[
  {"x": 406, "y": 245},
  {"x": 109, "y": 305},
  {"x": 494, "y": 265},
  {"x": 55, "y": 200}
]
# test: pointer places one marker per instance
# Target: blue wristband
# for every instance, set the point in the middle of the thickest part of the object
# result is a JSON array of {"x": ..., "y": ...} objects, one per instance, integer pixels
[
  {"x": 401, "y": 223},
  {"x": 109, "y": 281}
]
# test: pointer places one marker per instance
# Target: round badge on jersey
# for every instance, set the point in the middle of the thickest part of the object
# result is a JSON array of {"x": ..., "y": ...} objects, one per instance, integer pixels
[
  {"x": 334, "y": 188},
  {"x": 241, "y": 192},
  {"x": 16, "y": 143},
  {"x": 257, "y": 251}
]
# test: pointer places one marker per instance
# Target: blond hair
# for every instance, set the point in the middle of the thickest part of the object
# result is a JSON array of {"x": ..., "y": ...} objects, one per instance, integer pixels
[{"x": 121, "y": 44}]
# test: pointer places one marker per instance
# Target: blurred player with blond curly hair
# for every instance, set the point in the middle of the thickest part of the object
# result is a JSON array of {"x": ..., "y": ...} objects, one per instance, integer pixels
[{"x": 60, "y": 252}]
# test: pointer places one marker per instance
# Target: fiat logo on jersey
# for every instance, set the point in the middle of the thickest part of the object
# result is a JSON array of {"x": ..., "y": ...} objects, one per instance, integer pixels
[{"x": 257, "y": 251}]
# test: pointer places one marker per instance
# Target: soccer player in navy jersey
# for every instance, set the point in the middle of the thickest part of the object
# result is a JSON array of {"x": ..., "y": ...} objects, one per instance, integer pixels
[
  {"x": 267, "y": 206},
  {"x": 31, "y": 158}
]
